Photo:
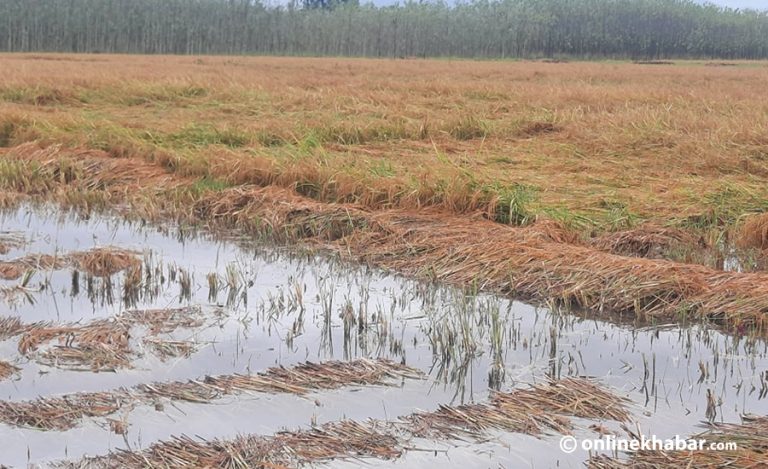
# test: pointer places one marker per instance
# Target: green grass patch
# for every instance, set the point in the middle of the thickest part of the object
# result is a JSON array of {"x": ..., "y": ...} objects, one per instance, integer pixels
[
  {"x": 209, "y": 184},
  {"x": 198, "y": 135},
  {"x": 515, "y": 203},
  {"x": 615, "y": 215},
  {"x": 469, "y": 128}
]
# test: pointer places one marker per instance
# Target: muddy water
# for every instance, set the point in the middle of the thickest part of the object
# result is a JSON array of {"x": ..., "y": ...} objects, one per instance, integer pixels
[{"x": 274, "y": 307}]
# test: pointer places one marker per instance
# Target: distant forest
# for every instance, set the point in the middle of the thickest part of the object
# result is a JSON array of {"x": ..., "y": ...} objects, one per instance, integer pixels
[{"x": 639, "y": 29}]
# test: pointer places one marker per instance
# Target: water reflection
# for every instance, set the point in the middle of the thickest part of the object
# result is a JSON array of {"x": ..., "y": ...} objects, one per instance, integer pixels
[{"x": 273, "y": 306}]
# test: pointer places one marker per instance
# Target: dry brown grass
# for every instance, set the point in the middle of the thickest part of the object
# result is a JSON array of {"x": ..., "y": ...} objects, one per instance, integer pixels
[
  {"x": 99, "y": 262},
  {"x": 300, "y": 379},
  {"x": 14, "y": 269},
  {"x": 332, "y": 441},
  {"x": 578, "y": 397},
  {"x": 9, "y": 240},
  {"x": 533, "y": 411},
  {"x": 167, "y": 349},
  {"x": 87, "y": 170},
  {"x": 383, "y": 133},
  {"x": 10, "y": 327},
  {"x": 59, "y": 413},
  {"x": 649, "y": 241},
  {"x": 7, "y": 370},
  {"x": 103, "y": 344},
  {"x": 754, "y": 232},
  {"x": 105, "y": 262},
  {"x": 164, "y": 320},
  {"x": 100, "y": 345}
]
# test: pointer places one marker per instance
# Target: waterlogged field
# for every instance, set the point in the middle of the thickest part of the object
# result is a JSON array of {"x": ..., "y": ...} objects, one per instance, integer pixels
[
  {"x": 220, "y": 308},
  {"x": 265, "y": 262}
]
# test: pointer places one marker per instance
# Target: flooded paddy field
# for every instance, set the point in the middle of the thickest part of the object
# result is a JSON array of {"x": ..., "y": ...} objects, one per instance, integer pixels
[{"x": 118, "y": 335}]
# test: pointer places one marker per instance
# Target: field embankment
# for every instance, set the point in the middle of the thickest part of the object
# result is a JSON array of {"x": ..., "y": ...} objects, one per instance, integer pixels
[{"x": 539, "y": 262}]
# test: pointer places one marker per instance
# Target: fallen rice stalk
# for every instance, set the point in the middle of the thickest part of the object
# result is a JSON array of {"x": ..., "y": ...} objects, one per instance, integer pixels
[
  {"x": 383, "y": 440},
  {"x": 99, "y": 262},
  {"x": 103, "y": 344},
  {"x": 99, "y": 345},
  {"x": 646, "y": 241},
  {"x": 336, "y": 440},
  {"x": 14, "y": 269},
  {"x": 104, "y": 261},
  {"x": 166, "y": 349},
  {"x": 7, "y": 370},
  {"x": 10, "y": 240},
  {"x": 64, "y": 412},
  {"x": 15, "y": 293},
  {"x": 754, "y": 232},
  {"x": 59, "y": 413},
  {"x": 461, "y": 250},
  {"x": 10, "y": 327},
  {"x": 573, "y": 396},
  {"x": 165, "y": 320},
  {"x": 749, "y": 436},
  {"x": 94, "y": 170},
  {"x": 522, "y": 262},
  {"x": 530, "y": 411}
]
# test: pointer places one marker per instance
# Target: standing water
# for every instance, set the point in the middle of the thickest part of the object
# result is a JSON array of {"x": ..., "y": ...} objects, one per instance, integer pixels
[{"x": 258, "y": 306}]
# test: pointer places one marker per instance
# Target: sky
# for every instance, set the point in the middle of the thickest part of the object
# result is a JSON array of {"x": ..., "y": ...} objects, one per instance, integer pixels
[{"x": 754, "y": 4}]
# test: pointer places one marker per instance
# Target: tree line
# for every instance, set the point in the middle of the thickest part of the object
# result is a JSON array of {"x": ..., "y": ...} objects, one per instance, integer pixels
[{"x": 639, "y": 29}]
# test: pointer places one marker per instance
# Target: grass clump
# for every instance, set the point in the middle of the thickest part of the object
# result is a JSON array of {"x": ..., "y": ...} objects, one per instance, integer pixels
[
  {"x": 570, "y": 219},
  {"x": 617, "y": 215},
  {"x": 270, "y": 139},
  {"x": 208, "y": 184},
  {"x": 143, "y": 95},
  {"x": 469, "y": 128},
  {"x": 6, "y": 133},
  {"x": 513, "y": 204},
  {"x": 346, "y": 134},
  {"x": 206, "y": 135},
  {"x": 38, "y": 96},
  {"x": 753, "y": 232},
  {"x": 726, "y": 205},
  {"x": 536, "y": 128},
  {"x": 12, "y": 129},
  {"x": 27, "y": 178}
]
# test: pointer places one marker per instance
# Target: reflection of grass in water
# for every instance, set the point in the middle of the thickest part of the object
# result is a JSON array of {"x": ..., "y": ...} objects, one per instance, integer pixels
[
  {"x": 21, "y": 292},
  {"x": 459, "y": 335},
  {"x": 497, "y": 372},
  {"x": 234, "y": 281}
]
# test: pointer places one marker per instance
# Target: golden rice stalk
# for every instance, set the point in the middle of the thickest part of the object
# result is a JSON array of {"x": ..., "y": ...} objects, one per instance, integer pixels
[
  {"x": 7, "y": 370},
  {"x": 754, "y": 232},
  {"x": 751, "y": 451}
]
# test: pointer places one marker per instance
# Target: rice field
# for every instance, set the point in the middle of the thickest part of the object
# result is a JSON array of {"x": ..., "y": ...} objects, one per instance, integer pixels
[{"x": 264, "y": 262}]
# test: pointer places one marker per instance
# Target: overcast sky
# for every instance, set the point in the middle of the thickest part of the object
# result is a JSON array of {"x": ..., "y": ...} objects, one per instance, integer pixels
[{"x": 756, "y": 4}]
